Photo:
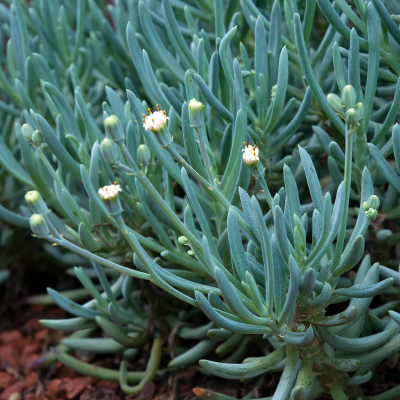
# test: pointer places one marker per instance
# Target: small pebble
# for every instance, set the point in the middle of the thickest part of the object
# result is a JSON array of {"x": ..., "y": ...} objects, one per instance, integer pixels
[{"x": 15, "y": 396}]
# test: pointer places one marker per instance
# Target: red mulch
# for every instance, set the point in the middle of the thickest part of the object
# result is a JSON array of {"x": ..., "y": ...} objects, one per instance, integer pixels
[{"x": 18, "y": 347}]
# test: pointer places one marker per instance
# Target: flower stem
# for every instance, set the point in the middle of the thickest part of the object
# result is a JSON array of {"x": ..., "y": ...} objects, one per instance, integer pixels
[
  {"x": 347, "y": 180},
  {"x": 204, "y": 154}
]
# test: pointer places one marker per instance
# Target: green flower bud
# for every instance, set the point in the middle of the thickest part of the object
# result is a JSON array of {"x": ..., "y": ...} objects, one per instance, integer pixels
[
  {"x": 110, "y": 150},
  {"x": 371, "y": 213},
  {"x": 191, "y": 252},
  {"x": 365, "y": 206},
  {"x": 273, "y": 92},
  {"x": 196, "y": 113},
  {"x": 352, "y": 116},
  {"x": 360, "y": 108},
  {"x": 37, "y": 138},
  {"x": 373, "y": 202},
  {"x": 35, "y": 202},
  {"x": 335, "y": 102},
  {"x": 183, "y": 240},
  {"x": 114, "y": 128},
  {"x": 349, "y": 96},
  {"x": 27, "y": 132},
  {"x": 39, "y": 225},
  {"x": 301, "y": 328},
  {"x": 143, "y": 154}
]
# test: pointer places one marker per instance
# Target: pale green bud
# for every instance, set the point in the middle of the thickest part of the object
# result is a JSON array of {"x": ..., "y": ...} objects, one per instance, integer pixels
[
  {"x": 365, "y": 206},
  {"x": 352, "y": 116},
  {"x": 183, "y": 240},
  {"x": 35, "y": 202},
  {"x": 335, "y": 102},
  {"x": 110, "y": 150},
  {"x": 114, "y": 128},
  {"x": 143, "y": 154},
  {"x": 196, "y": 113},
  {"x": 349, "y": 96},
  {"x": 371, "y": 213},
  {"x": 27, "y": 132},
  {"x": 373, "y": 202},
  {"x": 360, "y": 108},
  {"x": 301, "y": 328},
  {"x": 39, "y": 225},
  {"x": 273, "y": 92},
  {"x": 191, "y": 252},
  {"x": 37, "y": 138}
]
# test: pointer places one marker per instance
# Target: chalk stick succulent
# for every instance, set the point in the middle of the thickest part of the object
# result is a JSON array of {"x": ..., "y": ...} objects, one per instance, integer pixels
[{"x": 172, "y": 190}]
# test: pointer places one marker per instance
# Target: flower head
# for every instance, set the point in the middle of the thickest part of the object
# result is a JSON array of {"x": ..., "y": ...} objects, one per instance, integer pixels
[
  {"x": 196, "y": 113},
  {"x": 109, "y": 192},
  {"x": 156, "y": 121},
  {"x": 250, "y": 154}
]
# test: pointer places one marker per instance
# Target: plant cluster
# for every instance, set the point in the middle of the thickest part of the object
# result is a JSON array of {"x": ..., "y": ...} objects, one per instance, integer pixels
[{"x": 197, "y": 147}]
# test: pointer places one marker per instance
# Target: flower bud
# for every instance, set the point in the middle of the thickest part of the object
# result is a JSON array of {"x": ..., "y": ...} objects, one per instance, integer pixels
[
  {"x": 301, "y": 328},
  {"x": 27, "y": 132},
  {"x": 191, "y": 253},
  {"x": 114, "y": 128},
  {"x": 352, "y": 116},
  {"x": 35, "y": 202},
  {"x": 273, "y": 92},
  {"x": 371, "y": 213},
  {"x": 37, "y": 138},
  {"x": 183, "y": 240},
  {"x": 360, "y": 108},
  {"x": 143, "y": 154},
  {"x": 335, "y": 102},
  {"x": 373, "y": 202},
  {"x": 349, "y": 96},
  {"x": 39, "y": 225},
  {"x": 196, "y": 113},
  {"x": 365, "y": 206},
  {"x": 110, "y": 150}
]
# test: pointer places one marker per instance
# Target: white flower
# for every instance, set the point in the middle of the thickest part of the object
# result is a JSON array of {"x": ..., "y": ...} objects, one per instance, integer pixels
[
  {"x": 250, "y": 154},
  {"x": 109, "y": 192},
  {"x": 156, "y": 121},
  {"x": 195, "y": 105}
]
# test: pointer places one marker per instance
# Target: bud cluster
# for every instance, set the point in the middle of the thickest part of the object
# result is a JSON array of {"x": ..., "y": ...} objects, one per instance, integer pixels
[
  {"x": 371, "y": 206},
  {"x": 39, "y": 211},
  {"x": 346, "y": 106}
]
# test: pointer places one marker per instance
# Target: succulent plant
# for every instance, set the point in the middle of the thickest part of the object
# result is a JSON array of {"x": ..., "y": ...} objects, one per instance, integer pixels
[{"x": 170, "y": 195}]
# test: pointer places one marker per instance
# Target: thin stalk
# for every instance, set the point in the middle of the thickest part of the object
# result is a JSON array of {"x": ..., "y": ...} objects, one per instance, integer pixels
[
  {"x": 53, "y": 173},
  {"x": 266, "y": 191},
  {"x": 347, "y": 178},
  {"x": 116, "y": 267},
  {"x": 157, "y": 197},
  {"x": 213, "y": 191},
  {"x": 204, "y": 154}
]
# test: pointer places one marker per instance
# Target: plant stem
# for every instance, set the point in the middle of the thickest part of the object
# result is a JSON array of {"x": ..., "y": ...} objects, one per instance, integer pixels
[
  {"x": 204, "y": 154},
  {"x": 347, "y": 179}
]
